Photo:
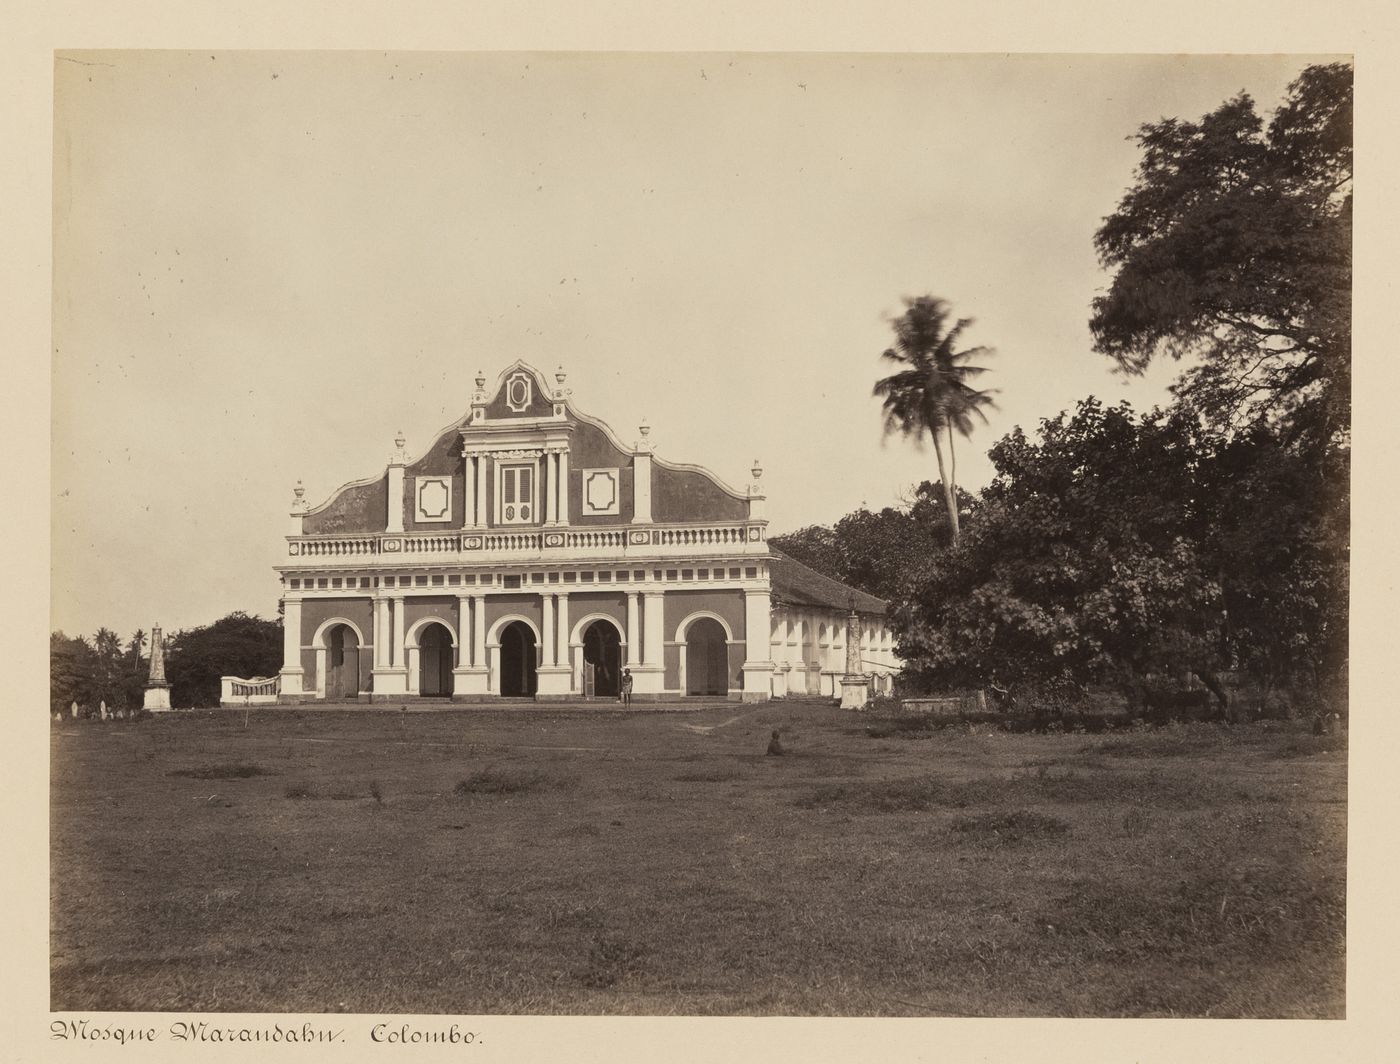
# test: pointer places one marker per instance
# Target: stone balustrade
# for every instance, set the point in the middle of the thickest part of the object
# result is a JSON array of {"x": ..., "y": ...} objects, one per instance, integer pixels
[
  {"x": 260, "y": 690},
  {"x": 562, "y": 544}
]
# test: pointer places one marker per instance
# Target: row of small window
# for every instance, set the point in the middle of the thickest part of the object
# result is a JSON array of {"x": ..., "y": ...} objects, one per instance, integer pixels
[{"x": 518, "y": 580}]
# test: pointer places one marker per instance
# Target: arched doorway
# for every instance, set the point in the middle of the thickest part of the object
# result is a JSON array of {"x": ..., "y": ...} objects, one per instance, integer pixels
[
  {"x": 602, "y": 660},
  {"x": 706, "y": 658},
  {"x": 434, "y": 661},
  {"x": 518, "y": 661},
  {"x": 342, "y": 664}
]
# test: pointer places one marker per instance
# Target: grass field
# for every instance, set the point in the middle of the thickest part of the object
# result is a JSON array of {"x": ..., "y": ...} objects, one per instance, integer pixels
[{"x": 562, "y": 861}]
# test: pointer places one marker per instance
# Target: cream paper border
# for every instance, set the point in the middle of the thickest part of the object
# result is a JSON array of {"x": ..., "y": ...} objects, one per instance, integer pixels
[{"x": 1364, "y": 28}]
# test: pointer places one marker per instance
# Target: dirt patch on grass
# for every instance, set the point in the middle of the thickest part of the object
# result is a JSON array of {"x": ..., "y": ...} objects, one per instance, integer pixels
[
  {"x": 716, "y": 774},
  {"x": 232, "y": 771},
  {"x": 510, "y": 781},
  {"x": 1009, "y": 829}
]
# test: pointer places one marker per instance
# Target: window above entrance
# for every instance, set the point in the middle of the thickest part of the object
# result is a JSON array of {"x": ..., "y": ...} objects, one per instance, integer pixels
[{"x": 516, "y": 502}]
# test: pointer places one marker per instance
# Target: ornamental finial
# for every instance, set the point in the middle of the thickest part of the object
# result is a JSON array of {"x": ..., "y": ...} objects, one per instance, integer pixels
[
  {"x": 757, "y": 470},
  {"x": 480, "y": 381},
  {"x": 298, "y": 498}
]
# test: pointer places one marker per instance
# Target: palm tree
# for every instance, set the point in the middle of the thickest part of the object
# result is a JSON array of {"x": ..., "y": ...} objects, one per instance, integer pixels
[{"x": 932, "y": 394}]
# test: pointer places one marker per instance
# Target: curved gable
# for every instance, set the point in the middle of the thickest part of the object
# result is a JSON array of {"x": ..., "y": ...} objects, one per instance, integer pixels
[{"x": 521, "y": 392}]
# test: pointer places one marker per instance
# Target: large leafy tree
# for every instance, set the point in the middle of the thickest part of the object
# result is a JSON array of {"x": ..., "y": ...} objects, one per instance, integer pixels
[
  {"x": 236, "y": 645},
  {"x": 1233, "y": 249},
  {"x": 1116, "y": 546},
  {"x": 933, "y": 393},
  {"x": 1080, "y": 566}
]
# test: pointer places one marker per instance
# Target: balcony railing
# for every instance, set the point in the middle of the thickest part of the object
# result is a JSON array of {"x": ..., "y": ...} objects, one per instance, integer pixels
[{"x": 562, "y": 544}]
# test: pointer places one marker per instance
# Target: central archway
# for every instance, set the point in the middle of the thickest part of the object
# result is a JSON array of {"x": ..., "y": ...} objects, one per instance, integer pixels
[
  {"x": 518, "y": 661},
  {"x": 434, "y": 661},
  {"x": 602, "y": 660},
  {"x": 342, "y": 664},
  {"x": 707, "y": 658}
]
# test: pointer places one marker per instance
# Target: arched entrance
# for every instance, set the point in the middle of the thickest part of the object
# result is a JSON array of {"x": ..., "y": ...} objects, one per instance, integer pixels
[
  {"x": 518, "y": 679},
  {"x": 434, "y": 661},
  {"x": 602, "y": 660},
  {"x": 342, "y": 664},
  {"x": 706, "y": 658}
]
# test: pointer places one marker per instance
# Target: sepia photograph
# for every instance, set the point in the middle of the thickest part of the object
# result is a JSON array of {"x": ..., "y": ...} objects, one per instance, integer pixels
[{"x": 716, "y": 534}]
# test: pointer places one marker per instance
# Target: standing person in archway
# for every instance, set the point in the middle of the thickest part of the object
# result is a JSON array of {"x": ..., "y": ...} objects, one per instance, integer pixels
[{"x": 625, "y": 688}]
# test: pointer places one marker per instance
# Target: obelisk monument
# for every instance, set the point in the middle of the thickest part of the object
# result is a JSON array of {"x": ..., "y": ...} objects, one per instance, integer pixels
[
  {"x": 157, "y": 698},
  {"x": 855, "y": 685}
]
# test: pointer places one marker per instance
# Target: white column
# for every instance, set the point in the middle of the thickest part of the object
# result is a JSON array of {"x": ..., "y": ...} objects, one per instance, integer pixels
[
  {"x": 561, "y": 643},
  {"x": 377, "y": 630},
  {"x": 641, "y": 488},
  {"x": 480, "y": 491},
  {"x": 478, "y": 630},
  {"x": 758, "y": 665},
  {"x": 291, "y": 672},
  {"x": 393, "y": 519},
  {"x": 645, "y": 643},
  {"x": 549, "y": 651},
  {"x": 468, "y": 491},
  {"x": 652, "y": 636},
  {"x": 551, "y": 492},
  {"x": 634, "y": 637},
  {"x": 563, "y": 487},
  {"x": 464, "y": 628},
  {"x": 396, "y": 647}
]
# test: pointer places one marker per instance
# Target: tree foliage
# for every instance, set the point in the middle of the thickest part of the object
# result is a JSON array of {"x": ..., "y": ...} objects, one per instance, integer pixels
[
  {"x": 1233, "y": 247},
  {"x": 876, "y": 550},
  {"x": 96, "y": 671},
  {"x": 236, "y": 645},
  {"x": 90, "y": 672},
  {"x": 1116, "y": 546}
]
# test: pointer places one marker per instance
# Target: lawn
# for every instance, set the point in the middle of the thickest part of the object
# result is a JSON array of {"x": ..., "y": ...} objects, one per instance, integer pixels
[{"x": 565, "y": 861}]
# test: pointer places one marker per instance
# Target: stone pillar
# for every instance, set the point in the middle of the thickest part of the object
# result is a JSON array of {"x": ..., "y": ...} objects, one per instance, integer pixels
[
  {"x": 157, "y": 696},
  {"x": 482, "y": 514},
  {"x": 394, "y": 518},
  {"x": 554, "y": 678},
  {"x": 563, "y": 508},
  {"x": 377, "y": 637},
  {"x": 758, "y": 665},
  {"x": 855, "y": 686},
  {"x": 561, "y": 643},
  {"x": 390, "y": 673},
  {"x": 782, "y": 659},
  {"x": 547, "y": 651},
  {"x": 641, "y": 478},
  {"x": 478, "y": 631},
  {"x": 551, "y": 491},
  {"x": 634, "y": 636},
  {"x": 468, "y": 491},
  {"x": 649, "y": 676},
  {"x": 396, "y": 647},
  {"x": 470, "y": 674}
]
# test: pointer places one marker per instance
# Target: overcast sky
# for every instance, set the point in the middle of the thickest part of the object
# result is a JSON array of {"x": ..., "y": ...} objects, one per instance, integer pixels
[{"x": 268, "y": 263}]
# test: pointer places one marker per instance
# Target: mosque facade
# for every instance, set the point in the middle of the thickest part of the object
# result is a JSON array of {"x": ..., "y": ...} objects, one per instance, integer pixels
[{"x": 529, "y": 553}]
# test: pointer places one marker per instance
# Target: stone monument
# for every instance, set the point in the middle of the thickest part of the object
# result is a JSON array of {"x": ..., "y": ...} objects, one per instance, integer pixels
[
  {"x": 855, "y": 685},
  {"x": 157, "y": 698}
]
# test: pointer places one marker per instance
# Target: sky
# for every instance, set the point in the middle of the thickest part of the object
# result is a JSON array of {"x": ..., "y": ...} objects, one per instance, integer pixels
[{"x": 268, "y": 263}]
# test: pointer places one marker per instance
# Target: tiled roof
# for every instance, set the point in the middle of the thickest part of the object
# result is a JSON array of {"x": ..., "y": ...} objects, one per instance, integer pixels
[{"x": 796, "y": 584}]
